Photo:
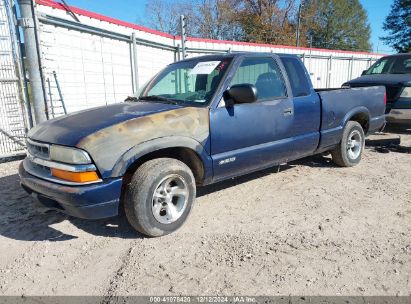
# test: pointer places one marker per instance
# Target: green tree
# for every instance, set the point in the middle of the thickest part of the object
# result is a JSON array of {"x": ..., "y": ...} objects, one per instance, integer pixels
[
  {"x": 398, "y": 24},
  {"x": 337, "y": 24}
]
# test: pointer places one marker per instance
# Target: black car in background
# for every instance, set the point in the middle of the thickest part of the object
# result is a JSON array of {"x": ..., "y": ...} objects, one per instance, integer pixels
[{"x": 394, "y": 72}]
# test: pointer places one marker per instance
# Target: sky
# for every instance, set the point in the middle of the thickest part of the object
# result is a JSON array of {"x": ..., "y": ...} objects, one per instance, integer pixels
[{"x": 133, "y": 11}]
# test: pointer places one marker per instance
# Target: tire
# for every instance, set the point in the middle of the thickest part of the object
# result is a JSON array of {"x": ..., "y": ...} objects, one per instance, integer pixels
[
  {"x": 348, "y": 153},
  {"x": 160, "y": 196}
]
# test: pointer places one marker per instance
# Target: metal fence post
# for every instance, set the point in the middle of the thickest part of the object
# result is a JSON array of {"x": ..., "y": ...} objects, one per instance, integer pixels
[
  {"x": 329, "y": 71},
  {"x": 183, "y": 35},
  {"x": 351, "y": 67},
  {"x": 178, "y": 53},
  {"x": 32, "y": 55},
  {"x": 135, "y": 62}
]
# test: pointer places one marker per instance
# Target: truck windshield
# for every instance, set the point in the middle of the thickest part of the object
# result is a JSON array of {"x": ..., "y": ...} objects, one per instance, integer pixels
[
  {"x": 391, "y": 65},
  {"x": 190, "y": 83}
]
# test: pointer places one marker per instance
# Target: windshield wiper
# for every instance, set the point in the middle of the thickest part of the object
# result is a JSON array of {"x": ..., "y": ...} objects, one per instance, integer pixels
[
  {"x": 131, "y": 98},
  {"x": 155, "y": 98},
  {"x": 160, "y": 99}
]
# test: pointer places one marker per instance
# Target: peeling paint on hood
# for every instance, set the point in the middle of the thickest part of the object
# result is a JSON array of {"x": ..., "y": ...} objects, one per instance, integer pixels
[{"x": 69, "y": 130}]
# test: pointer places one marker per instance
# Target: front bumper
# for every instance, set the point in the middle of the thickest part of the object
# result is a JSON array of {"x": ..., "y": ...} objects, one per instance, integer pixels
[
  {"x": 401, "y": 116},
  {"x": 93, "y": 201}
]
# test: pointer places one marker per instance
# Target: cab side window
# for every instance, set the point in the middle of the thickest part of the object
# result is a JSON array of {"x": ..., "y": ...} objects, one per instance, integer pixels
[
  {"x": 296, "y": 75},
  {"x": 265, "y": 74}
]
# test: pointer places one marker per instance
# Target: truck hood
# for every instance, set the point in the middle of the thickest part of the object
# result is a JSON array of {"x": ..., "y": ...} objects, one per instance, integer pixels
[
  {"x": 71, "y": 129},
  {"x": 383, "y": 79}
]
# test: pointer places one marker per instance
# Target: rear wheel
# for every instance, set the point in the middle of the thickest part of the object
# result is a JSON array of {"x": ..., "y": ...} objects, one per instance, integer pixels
[
  {"x": 348, "y": 152},
  {"x": 160, "y": 196}
]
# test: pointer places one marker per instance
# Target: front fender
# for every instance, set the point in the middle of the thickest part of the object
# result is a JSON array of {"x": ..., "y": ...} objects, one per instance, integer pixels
[{"x": 144, "y": 148}]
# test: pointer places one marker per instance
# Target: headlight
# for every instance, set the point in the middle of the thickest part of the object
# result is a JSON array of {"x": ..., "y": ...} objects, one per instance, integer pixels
[
  {"x": 406, "y": 93},
  {"x": 69, "y": 155}
]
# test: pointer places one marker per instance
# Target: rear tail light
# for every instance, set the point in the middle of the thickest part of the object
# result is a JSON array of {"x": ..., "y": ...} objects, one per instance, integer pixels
[{"x": 385, "y": 98}]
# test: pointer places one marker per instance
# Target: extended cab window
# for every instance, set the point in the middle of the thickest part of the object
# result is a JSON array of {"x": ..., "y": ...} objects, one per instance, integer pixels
[
  {"x": 296, "y": 75},
  {"x": 265, "y": 74}
]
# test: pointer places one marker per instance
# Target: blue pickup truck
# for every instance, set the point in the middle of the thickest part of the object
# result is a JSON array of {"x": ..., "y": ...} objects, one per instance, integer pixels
[{"x": 198, "y": 121}]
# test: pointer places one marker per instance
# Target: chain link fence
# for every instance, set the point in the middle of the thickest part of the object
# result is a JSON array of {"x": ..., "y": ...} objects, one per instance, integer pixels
[{"x": 12, "y": 122}]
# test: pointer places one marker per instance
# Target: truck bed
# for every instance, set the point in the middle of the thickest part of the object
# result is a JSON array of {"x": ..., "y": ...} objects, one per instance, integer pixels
[{"x": 338, "y": 105}]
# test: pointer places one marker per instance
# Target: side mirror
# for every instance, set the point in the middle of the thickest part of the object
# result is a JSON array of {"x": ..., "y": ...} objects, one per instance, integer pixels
[
  {"x": 240, "y": 93},
  {"x": 364, "y": 72}
]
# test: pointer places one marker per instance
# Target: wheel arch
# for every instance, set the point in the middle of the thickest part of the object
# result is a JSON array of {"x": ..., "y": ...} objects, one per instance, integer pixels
[
  {"x": 187, "y": 150},
  {"x": 360, "y": 115}
]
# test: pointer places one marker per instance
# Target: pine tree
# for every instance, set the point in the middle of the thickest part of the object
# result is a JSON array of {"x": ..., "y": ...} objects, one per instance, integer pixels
[{"x": 398, "y": 24}]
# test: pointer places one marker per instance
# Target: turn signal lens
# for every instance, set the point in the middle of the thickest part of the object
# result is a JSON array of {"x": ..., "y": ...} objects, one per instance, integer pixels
[{"x": 77, "y": 177}]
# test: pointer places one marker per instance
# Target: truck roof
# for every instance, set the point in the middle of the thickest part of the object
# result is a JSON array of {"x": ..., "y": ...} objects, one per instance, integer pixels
[{"x": 237, "y": 54}]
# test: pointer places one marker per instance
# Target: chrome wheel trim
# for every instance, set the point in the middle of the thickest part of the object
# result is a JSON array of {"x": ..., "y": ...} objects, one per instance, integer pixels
[
  {"x": 354, "y": 144},
  {"x": 170, "y": 199}
]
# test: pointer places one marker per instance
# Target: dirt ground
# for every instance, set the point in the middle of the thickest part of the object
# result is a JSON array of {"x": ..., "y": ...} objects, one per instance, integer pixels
[{"x": 310, "y": 229}]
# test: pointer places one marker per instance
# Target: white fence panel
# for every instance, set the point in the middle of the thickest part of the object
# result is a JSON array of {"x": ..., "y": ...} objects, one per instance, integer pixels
[{"x": 92, "y": 70}]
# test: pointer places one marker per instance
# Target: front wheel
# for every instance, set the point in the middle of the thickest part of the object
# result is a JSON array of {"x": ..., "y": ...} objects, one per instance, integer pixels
[
  {"x": 348, "y": 152},
  {"x": 160, "y": 196}
]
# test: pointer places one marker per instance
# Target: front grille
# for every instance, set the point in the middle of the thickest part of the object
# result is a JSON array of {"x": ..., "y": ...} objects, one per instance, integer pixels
[
  {"x": 36, "y": 169},
  {"x": 43, "y": 170},
  {"x": 39, "y": 150}
]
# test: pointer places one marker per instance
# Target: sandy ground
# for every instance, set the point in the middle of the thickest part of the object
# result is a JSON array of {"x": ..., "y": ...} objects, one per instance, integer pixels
[{"x": 310, "y": 229}]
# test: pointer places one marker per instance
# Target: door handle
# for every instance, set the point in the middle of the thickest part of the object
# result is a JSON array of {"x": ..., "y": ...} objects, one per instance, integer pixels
[{"x": 288, "y": 112}]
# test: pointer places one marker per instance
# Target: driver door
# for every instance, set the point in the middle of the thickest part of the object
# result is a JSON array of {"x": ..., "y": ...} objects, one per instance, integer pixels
[{"x": 252, "y": 136}]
